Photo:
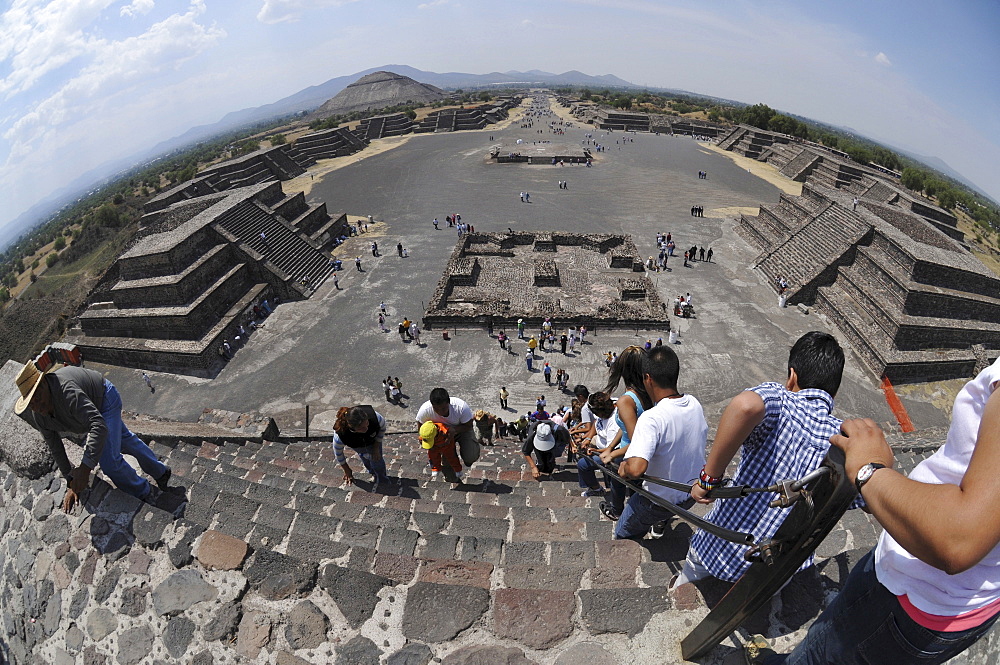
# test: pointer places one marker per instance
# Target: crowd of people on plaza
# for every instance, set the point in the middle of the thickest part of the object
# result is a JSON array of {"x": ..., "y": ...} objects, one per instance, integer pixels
[{"x": 926, "y": 592}]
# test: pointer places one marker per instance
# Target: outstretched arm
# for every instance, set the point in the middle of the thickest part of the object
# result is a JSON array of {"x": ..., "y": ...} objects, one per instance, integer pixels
[
  {"x": 744, "y": 412},
  {"x": 912, "y": 511}
]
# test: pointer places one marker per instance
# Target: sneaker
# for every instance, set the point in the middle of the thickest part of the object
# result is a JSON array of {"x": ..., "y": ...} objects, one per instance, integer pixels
[
  {"x": 434, "y": 475},
  {"x": 163, "y": 482},
  {"x": 608, "y": 511},
  {"x": 459, "y": 476},
  {"x": 657, "y": 530},
  {"x": 757, "y": 650},
  {"x": 597, "y": 492}
]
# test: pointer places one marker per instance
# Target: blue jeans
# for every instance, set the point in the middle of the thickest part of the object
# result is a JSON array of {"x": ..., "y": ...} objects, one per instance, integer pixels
[
  {"x": 376, "y": 468},
  {"x": 865, "y": 624},
  {"x": 640, "y": 514},
  {"x": 588, "y": 479},
  {"x": 120, "y": 440}
]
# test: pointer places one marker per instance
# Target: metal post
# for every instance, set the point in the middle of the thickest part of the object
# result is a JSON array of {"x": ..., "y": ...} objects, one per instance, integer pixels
[{"x": 307, "y": 421}]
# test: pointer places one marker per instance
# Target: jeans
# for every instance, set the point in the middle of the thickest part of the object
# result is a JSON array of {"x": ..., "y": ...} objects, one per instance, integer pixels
[
  {"x": 121, "y": 440},
  {"x": 640, "y": 514},
  {"x": 376, "y": 468},
  {"x": 866, "y": 625},
  {"x": 587, "y": 472}
]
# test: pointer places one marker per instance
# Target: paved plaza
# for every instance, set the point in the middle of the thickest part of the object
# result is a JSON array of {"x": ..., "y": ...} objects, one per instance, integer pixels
[{"x": 328, "y": 351}]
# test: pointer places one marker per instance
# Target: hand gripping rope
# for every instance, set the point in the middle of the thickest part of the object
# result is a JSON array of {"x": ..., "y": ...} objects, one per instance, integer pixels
[{"x": 788, "y": 491}]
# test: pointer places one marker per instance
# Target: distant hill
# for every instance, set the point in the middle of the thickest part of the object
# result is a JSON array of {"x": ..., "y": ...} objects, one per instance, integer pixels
[
  {"x": 379, "y": 90},
  {"x": 315, "y": 96}
]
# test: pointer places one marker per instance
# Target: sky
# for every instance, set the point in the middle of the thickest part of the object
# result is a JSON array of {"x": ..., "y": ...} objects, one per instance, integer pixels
[{"x": 83, "y": 82}]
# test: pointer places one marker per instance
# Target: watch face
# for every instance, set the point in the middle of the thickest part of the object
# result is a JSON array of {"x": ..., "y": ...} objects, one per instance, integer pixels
[{"x": 865, "y": 472}]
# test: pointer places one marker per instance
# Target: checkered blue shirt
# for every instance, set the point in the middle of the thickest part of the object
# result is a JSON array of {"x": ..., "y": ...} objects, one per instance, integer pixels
[{"x": 791, "y": 441}]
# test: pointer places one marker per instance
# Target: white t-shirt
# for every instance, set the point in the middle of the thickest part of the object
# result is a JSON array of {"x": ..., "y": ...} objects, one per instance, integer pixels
[
  {"x": 586, "y": 414},
  {"x": 671, "y": 437},
  {"x": 929, "y": 589},
  {"x": 459, "y": 412},
  {"x": 606, "y": 429}
]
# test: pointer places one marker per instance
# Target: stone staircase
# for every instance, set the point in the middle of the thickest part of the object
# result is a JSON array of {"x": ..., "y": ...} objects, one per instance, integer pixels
[
  {"x": 809, "y": 253},
  {"x": 266, "y": 556},
  {"x": 283, "y": 248}
]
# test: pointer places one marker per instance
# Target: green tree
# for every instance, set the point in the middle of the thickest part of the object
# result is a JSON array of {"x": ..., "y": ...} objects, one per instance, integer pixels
[
  {"x": 60, "y": 244},
  {"x": 4, "y": 294},
  {"x": 586, "y": 94},
  {"x": 279, "y": 139},
  {"x": 19, "y": 265},
  {"x": 108, "y": 216},
  {"x": 947, "y": 200},
  {"x": 51, "y": 259},
  {"x": 118, "y": 200},
  {"x": 411, "y": 114},
  {"x": 913, "y": 179}
]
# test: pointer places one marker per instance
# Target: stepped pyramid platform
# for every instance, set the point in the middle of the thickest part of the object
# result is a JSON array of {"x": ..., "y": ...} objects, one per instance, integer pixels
[
  {"x": 394, "y": 124},
  {"x": 596, "y": 280},
  {"x": 892, "y": 274},
  {"x": 267, "y": 555},
  {"x": 197, "y": 270},
  {"x": 545, "y": 152}
]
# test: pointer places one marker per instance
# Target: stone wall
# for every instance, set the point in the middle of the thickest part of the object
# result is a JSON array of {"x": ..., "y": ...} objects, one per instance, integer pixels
[{"x": 472, "y": 291}]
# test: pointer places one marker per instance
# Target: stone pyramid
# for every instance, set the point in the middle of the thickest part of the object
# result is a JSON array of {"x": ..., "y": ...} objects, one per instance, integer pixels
[{"x": 379, "y": 90}]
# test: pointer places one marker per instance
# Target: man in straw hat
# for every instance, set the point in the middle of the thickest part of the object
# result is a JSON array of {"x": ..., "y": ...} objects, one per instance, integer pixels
[{"x": 78, "y": 400}]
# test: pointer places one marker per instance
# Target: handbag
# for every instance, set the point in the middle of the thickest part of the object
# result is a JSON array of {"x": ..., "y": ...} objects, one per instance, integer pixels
[{"x": 468, "y": 448}]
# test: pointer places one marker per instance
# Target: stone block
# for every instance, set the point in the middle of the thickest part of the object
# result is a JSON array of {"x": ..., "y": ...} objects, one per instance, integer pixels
[
  {"x": 217, "y": 551},
  {"x": 306, "y": 627},
  {"x": 536, "y": 618},
  {"x": 439, "y": 612},
  {"x": 180, "y": 591},
  {"x": 621, "y": 610},
  {"x": 354, "y": 591},
  {"x": 465, "y": 573},
  {"x": 487, "y": 655},
  {"x": 358, "y": 651},
  {"x": 254, "y": 634}
]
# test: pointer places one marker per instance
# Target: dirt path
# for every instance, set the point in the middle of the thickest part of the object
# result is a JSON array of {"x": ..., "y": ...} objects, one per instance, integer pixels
[{"x": 759, "y": 169}]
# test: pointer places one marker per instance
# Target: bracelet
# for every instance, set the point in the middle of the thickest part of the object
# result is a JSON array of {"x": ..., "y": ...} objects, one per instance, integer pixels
[
  {"x": 709, "y": 479},
  {"x": 707, "y": 482}
]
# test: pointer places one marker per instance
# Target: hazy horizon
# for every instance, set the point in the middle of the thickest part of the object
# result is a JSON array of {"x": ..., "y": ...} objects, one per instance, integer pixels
[{"x": 92, "y": 81}]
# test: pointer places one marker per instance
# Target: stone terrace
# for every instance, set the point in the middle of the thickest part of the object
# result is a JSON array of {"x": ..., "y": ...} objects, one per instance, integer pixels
[
  {"x": 270, "y": 556},
  {"x": 907, "y": 293},
  {"x": 195, "y": 275},
  {"x": 580, "y": 279}
]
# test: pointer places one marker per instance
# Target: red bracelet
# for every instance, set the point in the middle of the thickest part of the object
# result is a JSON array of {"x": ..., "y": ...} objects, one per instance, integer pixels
[{"x": 709, "y": 480}]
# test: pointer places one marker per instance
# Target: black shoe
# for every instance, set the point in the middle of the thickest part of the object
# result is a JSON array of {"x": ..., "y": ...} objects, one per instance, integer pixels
[
  {"x": 163, "y": 482},
  {"x": 608, "y": 511}
]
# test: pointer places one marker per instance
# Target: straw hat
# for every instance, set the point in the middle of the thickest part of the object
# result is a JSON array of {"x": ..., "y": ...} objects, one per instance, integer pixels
[{"x": 27, "y": 382}]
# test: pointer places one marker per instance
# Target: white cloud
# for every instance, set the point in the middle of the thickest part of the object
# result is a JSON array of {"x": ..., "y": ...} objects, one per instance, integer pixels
[
  {"x": 287, "y": 11},
  {"x": 113, "y": 68},
  {"x": 138, "y": 7},
  {"x": 883, "y": 59},
  {"x": 433, "y": 3},
  {"x": 37, "y": 37}
]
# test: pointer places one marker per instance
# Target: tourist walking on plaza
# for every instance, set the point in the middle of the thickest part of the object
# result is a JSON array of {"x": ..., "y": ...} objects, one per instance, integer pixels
[
  {"x": 357, "y": 263},
  {"x": 415, "y": 333},
  {"x": 532, "y": 345},
  {"x": 520, "y": 328},
  {"x": 362, "y": 429},
  {"x": 381, "y": 323},
  {"x": 504, "y": 394},
  {"x": 149, "y": 382},
  {"x": 374, "y": 248},
  {"x": 81, "y": 401},
  {"x": 528, "y": 359},
  {"x": 336, "y": 281},
  {"x": 547, "y": 371}
]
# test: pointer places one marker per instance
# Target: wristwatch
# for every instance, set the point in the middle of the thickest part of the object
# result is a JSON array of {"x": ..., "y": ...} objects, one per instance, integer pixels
[{"x": 865, "y": 473}]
